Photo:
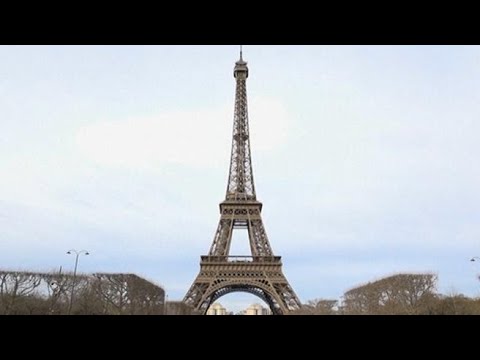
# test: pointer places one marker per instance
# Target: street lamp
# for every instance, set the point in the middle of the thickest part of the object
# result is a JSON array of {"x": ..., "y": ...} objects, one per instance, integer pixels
[
  {"x": 475, "y": 258},
  {"x": 77, "y": 254}
]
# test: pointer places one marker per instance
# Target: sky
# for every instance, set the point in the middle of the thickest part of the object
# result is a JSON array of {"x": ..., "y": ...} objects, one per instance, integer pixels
[{"x": 365, "y": 158}]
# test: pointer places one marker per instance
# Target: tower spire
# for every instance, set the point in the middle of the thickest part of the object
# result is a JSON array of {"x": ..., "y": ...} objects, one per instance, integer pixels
[{"x": 240, "y": 180}]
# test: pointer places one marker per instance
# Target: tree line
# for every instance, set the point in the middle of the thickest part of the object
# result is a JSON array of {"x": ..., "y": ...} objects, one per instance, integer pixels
[
  {"x": 28, "y": 293},
  {"x": 402, "y": 294}
]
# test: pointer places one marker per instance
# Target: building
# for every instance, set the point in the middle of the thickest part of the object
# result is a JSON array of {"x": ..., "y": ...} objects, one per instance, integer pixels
[
  {"x": 257, "y": 309},
  {"x": 217, "y": 309}
]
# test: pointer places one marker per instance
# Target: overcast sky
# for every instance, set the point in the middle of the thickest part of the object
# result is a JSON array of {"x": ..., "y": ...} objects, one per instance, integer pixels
[{"x": 365, "y": 157}]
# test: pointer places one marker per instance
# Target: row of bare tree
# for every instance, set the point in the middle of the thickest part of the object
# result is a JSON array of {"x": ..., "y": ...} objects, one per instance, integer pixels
[
  {"x": 403, "y": 294},
  {"x": 26, "y": 293}
]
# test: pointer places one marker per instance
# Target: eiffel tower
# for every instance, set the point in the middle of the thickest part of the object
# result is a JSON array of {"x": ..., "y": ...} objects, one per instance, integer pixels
[{"x": 260, "y": 273}]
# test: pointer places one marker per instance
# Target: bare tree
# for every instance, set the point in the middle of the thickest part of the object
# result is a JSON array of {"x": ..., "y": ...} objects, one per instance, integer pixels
[
  {"x": 399, "y": 294},
  {"x": 180, "y": 308},
  {"x": 15, "y": 288},
  {"x": 128, "y": 294},
  {"x": 50, "y": 293},
  {"x": 454, "y": 304},
  {"x": 317, "y": 307}
]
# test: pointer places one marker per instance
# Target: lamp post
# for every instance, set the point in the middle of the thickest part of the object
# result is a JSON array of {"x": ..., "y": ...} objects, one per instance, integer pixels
[
  {"x": 77, "y": 254},
  {"x": 473, "y": 259}
]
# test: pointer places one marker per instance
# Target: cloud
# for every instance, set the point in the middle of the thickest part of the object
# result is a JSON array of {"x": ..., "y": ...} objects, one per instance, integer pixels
[
  {"x": 198, "y": 138},
  {"x": 377, "y": 159}
]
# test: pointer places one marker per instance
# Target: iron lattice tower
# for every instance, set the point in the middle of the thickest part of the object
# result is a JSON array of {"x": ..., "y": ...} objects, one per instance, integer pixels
[{"x": 261, "y": 272}]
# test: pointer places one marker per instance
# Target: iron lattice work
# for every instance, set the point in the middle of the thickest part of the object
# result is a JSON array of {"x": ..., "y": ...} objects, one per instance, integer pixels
[
  {"x": 240, "y": 180},
  {"x": 261, "y": 273}
]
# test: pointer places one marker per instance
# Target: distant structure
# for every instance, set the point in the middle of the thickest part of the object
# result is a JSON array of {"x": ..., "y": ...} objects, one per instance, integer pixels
[
  {"x": 217, "y": 309},
  {"x": 260, "y": 273},
  {"x": 257, "y": 309}
]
